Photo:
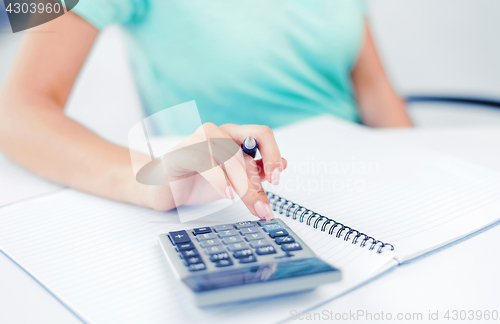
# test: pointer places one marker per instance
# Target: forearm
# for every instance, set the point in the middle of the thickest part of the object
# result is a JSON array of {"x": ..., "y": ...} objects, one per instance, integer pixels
[
  {"x": 378, "y": 104},
  {"x": 35, "y": 133}
]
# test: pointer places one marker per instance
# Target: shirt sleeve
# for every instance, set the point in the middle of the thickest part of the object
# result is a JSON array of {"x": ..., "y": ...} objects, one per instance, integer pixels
[{"x": 102, "y": 13}]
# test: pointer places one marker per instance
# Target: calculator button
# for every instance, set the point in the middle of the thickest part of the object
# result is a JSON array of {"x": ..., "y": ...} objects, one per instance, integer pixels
[
  {"x": 180, "y": 237},
  {"x": 225, "y": 233},
  {"x": 219, "y": 256},
  {"x": 193, "y": 260},
  {"x": 254, "y": 236},
  {"x": 189, "y": 253},
  {"x": 284, "y": 239},
  {"x": 291, "y": 246},
  {"x": 197, "y": 267},
  {"x": 185, "y": 246},
  {"x": 248, "y": 230},
  {"x": 241, "y": 225},
  {"x": 201, "y": 230},
  {"x": 236, "y": 246},
  {"x": 264, "y": 222},
  {"x": 232, "y": 239},
  {"x": 225, "y": 227},
  {"x": 206, "y": 236},
  {"x": 278, "y": 232},
  {"x": 242, "y": 253},
  {"x": 248, "y": 259},
  {"x": 214, "y": 249},
  {"x": 258, "y": 243},
  {"x": 265, "y": 250},
  {"x": 223, "y": 263},
  {"x": 270, "y": 227},
  {"x": 211, "y": 242}
]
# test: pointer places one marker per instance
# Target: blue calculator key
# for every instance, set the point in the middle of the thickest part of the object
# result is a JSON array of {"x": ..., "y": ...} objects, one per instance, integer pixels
[
  {"x": 242, "y": 253},
  {"x": 291, "y": 246},
  {"x": 219, "y": 256},
  {"x": 270, "y": 227},
  {"x": 197, "y": 267},
  {"x": 225, "y": 233},
  {"x": 205, "y": 236},
  {"x": 224, "y": 263},
  {"x": 262, "y": 250},
  {"x": 232, "y": 239},
  {"x": 248, "y": 259},
  {"x": 237, "y": 246},
  {"x": 180, "y": 237},
  {"x": 248, "y": 230},
  {"x": 202, "y": 230},
  {"x": 189, "y": 253},
  {"x": 264, "y": 222},
  {"x": 284, "y": 239},
  {"x": 258, "y": 243},
  {"x": 185, "y": 246},
  {"x": 193, "y": 260},
  {"x": 211, "y": 242},
  {"x": 278, "y": 232},
  {"x": 246, "y": 224},
  {"x": 224, "y": 227},
  {"x": 214, "y": 249},
  {"x": 254, "y": 236}
]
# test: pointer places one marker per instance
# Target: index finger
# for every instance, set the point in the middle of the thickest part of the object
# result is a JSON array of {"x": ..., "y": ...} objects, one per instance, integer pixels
[{"x": 268, "y": 147}]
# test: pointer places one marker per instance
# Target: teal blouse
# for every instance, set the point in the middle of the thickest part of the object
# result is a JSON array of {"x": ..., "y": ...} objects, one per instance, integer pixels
[{"x": 269, "y": 62}]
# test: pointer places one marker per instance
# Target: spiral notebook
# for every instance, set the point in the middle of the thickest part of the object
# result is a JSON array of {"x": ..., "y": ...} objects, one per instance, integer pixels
[
  {"x": 375, "y": 188},
  {"x": 362, "y": 203}
]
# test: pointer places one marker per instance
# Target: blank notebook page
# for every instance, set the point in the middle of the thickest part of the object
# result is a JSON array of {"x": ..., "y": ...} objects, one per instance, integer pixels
[
  {"x": 102, "y": 259},
  {"x": 414, "y": 198}
]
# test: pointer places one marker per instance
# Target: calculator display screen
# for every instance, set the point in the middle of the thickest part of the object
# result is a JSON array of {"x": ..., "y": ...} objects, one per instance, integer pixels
[{"x": 253, "y": 274}]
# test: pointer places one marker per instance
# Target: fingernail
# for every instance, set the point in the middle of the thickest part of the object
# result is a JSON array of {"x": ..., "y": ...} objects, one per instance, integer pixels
[
  {"x": 270, "y": 214},
  {"x": 263, "y": 210},
  {"x": 229, "y": 192},
  {"x": 275, "y": 176}
]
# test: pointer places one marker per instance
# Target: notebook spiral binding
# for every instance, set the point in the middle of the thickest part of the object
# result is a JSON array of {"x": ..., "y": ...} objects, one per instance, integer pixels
[{"x": 291, "y": 209}]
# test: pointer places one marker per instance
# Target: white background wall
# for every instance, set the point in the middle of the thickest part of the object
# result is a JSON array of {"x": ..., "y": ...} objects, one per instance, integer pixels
[{"x": 439, "y": 46}]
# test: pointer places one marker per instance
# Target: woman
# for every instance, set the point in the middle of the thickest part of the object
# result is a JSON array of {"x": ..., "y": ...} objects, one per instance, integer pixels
[{"x": 262, "y": 63}]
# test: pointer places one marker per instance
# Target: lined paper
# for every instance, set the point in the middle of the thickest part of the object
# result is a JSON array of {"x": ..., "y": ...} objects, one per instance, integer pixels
[{"x": 102, "y": 259}]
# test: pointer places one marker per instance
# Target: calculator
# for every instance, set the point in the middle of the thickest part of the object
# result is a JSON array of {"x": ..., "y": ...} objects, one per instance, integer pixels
[{"x": 244, "y": 260}]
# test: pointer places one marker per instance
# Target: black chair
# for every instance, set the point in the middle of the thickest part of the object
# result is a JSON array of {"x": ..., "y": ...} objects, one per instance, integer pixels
[{"x": 485, "y": 102}]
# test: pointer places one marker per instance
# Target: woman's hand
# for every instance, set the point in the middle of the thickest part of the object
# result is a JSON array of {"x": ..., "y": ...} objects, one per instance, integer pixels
[{"x": 210, "y": 165}]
